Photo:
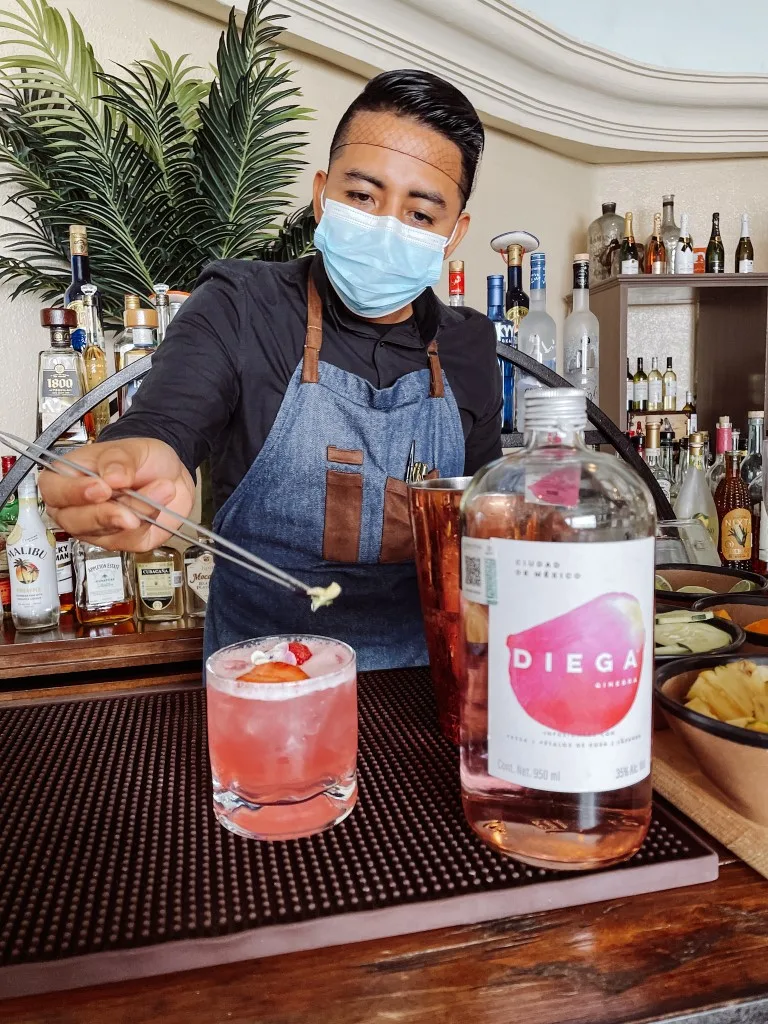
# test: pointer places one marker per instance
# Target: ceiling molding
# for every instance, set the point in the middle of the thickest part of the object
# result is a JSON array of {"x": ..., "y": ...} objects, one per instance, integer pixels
[{"x": 530, "y": 79}]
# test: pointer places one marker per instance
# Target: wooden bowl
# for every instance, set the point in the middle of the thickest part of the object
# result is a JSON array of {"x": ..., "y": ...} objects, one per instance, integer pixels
[
  {"x": 734, "y": 759},
  {"x": 716, "y": 578},
  {"x": 743, "y": 609}
]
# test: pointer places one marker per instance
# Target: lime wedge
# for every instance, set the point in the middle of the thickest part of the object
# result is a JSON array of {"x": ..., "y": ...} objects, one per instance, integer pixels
[
  {"x": 743, "y": 587},
  {"x": 695, "y": 590},
  {"x": 661, "y": 583}
]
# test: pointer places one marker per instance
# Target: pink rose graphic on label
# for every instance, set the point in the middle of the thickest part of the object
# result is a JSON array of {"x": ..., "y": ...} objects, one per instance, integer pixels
[{"x": 579, "y": 673}]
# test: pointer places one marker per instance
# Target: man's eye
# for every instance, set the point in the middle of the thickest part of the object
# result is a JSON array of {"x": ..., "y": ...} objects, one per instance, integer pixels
[
  {"x": 422, "y": 218},
  {"x": 359, "y": 197}
]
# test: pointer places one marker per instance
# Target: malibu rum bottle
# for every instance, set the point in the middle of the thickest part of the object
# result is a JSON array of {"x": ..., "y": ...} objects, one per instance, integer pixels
[
  {"x": 557, "y": 628},
  {"x": 735, "y": 514},
  {"x": 31, "y": 553}
]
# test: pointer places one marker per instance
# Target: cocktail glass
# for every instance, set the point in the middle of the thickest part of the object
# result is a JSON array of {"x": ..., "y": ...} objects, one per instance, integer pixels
[
  {"x": 436, "y": 526},
  {"x": 283, "y": 754}
]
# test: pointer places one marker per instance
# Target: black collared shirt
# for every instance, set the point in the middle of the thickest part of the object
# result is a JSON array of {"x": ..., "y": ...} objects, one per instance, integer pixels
[{"x": 219, "y": 377}]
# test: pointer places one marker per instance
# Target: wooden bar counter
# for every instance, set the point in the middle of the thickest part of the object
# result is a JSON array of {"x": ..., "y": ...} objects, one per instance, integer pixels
[{"x": 694, "y": 954}]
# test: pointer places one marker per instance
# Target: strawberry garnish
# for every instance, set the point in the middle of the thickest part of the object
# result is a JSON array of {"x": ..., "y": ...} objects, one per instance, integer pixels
[
  {"x": 274, "y": 672},
  {"x": 300, "y": 651}
]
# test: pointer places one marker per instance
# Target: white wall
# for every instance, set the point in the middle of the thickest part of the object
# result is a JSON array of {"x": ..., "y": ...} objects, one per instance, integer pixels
[{"x": 701, "y": 35}]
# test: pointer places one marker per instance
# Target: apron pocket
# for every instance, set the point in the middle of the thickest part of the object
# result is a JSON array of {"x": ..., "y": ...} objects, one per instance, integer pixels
[
  {"x": 396, "y": 534},
  {"x": 343, "y": 514}
]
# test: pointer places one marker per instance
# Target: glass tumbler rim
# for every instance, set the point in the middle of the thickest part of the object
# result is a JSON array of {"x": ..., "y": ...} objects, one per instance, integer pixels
[{"x": 290, "y": 688}]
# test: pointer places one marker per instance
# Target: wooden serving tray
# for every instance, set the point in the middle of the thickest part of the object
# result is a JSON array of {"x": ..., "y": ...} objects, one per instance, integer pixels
[{"x": 75, "y": 649}]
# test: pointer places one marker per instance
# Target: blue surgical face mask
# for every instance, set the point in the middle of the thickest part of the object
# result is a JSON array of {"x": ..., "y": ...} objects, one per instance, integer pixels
[{"x": 377, "y": 264}]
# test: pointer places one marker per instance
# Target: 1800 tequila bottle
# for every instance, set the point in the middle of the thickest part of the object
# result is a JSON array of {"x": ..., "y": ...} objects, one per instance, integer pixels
[{"x": 557, "y": 620}]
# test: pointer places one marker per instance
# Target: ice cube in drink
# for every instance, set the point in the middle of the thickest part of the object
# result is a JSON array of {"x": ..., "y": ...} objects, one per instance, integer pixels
[{"x": 282, "y": 735}]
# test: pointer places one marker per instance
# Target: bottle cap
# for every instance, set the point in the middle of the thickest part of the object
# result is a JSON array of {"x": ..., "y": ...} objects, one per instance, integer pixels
[
  {"x": 58, "y": 316},
  {"x": 78, "y": 239},
  {"x": 140, "y": 318},
  {"x": 514, "y": 255},
  {"x": 545, "y": 408},
  {"x": 581, "y": 257},
  {"x": 132, "y": 301},
  {"x": 609, "y": 207},
  {"x": 7, "y": 462},
  {"x": 456, "y": 266},
  {"x": 697, "y": 437},
  {"x": 756, "y": 414}
]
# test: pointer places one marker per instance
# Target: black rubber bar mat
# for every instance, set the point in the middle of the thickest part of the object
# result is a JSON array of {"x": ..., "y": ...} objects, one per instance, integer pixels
[{"x": 112, "y": 865}]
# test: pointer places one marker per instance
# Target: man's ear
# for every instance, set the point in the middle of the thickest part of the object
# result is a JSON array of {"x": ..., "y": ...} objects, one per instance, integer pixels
[
  {"x": 317, "y": 190},
  {"x": 462, "y": 226}
]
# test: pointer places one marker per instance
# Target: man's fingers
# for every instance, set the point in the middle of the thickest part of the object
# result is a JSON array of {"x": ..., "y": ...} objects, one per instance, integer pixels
[{"x": 97, "y": 520}]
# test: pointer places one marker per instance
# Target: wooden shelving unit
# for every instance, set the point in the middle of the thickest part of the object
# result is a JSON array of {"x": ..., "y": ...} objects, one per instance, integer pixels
[{"x": 729, "y": 347}]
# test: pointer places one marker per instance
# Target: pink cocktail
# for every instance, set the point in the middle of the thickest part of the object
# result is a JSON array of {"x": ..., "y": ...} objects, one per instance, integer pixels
[{"x": 282, "y": 735}]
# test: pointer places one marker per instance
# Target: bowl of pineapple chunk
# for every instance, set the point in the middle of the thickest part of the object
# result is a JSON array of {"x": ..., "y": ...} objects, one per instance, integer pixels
[{"x": 719, "y": 707}]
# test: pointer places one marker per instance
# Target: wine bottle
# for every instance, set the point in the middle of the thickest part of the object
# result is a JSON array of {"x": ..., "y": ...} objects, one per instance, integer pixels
[
  {"x": 640, "y": 389},
  {"x": 517, "y": 302},
  {"x": 81, "y": 274},
  {"x": 745, "y": 254},
  {"x": 630, "y": 393},
  {"x": 669, "y": 388},
  {"x": 655, "y": 252},
  {"x": 556, "y": 723},
  {"x": 714, "y": 260},
  {"x": 684, "y": 257},
  {"x": 630, "y": 258},
  {"x": 655, "y": 387}
]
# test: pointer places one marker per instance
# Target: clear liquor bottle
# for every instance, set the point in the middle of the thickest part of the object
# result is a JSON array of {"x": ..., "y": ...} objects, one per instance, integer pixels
[
  {"x": 752, "y": 465},
  {"x": 653, "y": 456},
  {"x": 670, "y": 232},
  {"x": 142, "y": 324},
  {"x": 581, "y": 326},
  {"x": 65, "y": 573},
  {"x": 683, "y": 461},
  {"x": 162, "y": 303},
  {"x": 104, "y": 591},
  {"x": 31, "y": 553},
  {"x": 505, "y": 335},
  {"x": 94, "y": 356},
  {"x": 537, "y": 334},
  {"x": 61, "y": 377},
  {"x": 456, "y": 283},
  {"x": 198, "y": 569},
  {"x": 669, "y": 388},
  {"x": 695, "y": 499},
  {"x": 667, "y": 459},
  {"x": 655, "y": 387},
  {"x": 124, "y": 342},
  {"x": 160, "y": 584},
  {"x": 557, "y": 626},
  {"x": 723, "y": 444}
]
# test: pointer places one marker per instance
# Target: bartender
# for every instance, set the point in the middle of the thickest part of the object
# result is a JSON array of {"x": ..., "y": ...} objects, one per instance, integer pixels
[{"x": 307, "y": 384}]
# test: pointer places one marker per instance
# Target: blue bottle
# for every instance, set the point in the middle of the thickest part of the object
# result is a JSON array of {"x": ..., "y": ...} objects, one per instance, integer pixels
[{"x": 505, "y": 333}]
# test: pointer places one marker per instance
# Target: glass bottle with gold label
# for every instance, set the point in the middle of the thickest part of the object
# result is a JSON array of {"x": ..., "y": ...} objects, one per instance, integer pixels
[
  {"x": 94, "y": 355},
  {"x": 160, "y": 584},
  {"x": 517, "y": 301},
  {"x": 81, "y": 275},
  {"x": 198, "y": 569},
  {"x": 103, "y": 584},
  {"x": 735, "y": 515},
  {"x": 61, "y": 377}
]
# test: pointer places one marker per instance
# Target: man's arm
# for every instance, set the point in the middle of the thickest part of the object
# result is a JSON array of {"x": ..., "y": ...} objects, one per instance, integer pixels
[{"x": 483, "y": 444}]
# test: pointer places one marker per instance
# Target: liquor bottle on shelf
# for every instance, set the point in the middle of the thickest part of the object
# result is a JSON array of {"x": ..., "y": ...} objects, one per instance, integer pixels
[
  {"x": 670, "y": 232},
  {"x": 61, "y": 377},
  {"x": 455, "y": 283},
  {"x": 655, "y": 387},
  {"x": 684, "y": 255},
  {"x": 103, "y": 584},
  {"x": 81, "y": 274},
  {"x": 683, "y": 461},
  {"x": 537, "y": 334},
  {"x": 94, "y": 356},
  {"x": 581, "y": 326},
  {"x": 162, "y": 303},
  {"x": 759, "y": 549},
  {"x": 745, "y": 253},
  {"x": 31, "y": 553},
  {"x": 735, "y": 515},
  {"x": 736, "y": 442},
  {"x": 695, "y": 499},
  {"x": 517, "y": 302},
  {"x": 5, "y": 528},
  {"x": 142, "y": 324},
  {"x": 125, "y": 341},
  {"x": 584, "y": 376},
  {"x": 198, "y": 569},
  {"x": 505, "y": 335},
  {"x": 690, "y": 411},
  {"x": 630, "y": 393},
  {"x": 604, "y": 236},
  {"x": 655, "y": 252},
  {"x": 9, "y": 512},
  {"x": 723, "y": 444},
  {"x": 714, "y": 260},
  {"x": 160, "y": 584},
  {"x": 752, "y": 466},
  {"x": 640, "y": 388},
  {"x": 653, "y": 456},
  {"x": 561, "y": 639},
  {"x": 630, "y": 257},
  {"x": 667, "y": 459},
  {"x": 65, "y": 575},
  {"x": 669, "y": 388}
]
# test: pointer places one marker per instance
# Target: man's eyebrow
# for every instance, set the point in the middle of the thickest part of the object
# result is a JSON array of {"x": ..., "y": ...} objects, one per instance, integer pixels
[
  {"x": 431, "y": 197},
  {"x": 355, "y": 175}
]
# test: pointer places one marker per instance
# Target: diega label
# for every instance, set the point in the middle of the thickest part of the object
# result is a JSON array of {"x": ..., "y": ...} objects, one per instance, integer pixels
[
  {"x": 736, "y": 535},
  {"x": 570, "y": 663}
]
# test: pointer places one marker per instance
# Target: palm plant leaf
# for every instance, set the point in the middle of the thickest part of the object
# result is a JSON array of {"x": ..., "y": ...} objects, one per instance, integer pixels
[
  {"x": 247, "y": 147},
  {"x": 187, "y": 90},
  {"x": 293, "y": 239}
]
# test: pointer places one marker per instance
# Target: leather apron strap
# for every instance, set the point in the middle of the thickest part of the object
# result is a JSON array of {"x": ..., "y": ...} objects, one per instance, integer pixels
[{"x": 314, "y": 340}]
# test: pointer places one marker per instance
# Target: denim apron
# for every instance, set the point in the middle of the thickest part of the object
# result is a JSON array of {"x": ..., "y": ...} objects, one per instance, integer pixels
[{"x": 325, "y": 500}]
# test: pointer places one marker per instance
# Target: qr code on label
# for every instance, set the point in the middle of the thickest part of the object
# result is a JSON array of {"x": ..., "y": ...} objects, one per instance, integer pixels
[{"x": 473, "y": 572}]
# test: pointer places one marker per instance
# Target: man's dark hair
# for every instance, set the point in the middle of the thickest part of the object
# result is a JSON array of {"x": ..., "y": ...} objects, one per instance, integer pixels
[{"x": 430, "y": 101}]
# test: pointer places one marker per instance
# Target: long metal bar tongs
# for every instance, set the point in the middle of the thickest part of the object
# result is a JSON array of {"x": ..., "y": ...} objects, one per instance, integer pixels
[{"x": 209, "y": 541}]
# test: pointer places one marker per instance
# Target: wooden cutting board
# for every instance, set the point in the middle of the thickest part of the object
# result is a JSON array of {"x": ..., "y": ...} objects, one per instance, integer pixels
[{"x": 677, "y": 777}]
